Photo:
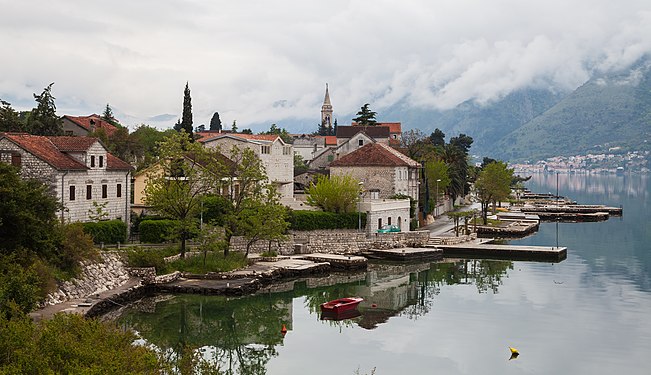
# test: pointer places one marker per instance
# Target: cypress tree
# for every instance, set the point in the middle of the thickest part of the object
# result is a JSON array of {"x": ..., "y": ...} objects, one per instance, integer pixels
[
  {"x": 215, "y": 122},
  {"x": 186, "y": 119}
]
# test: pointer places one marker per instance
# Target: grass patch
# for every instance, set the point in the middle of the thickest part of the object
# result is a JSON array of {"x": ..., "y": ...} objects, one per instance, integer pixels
[
  {"x": 269, "y": 254},
  {"x": 215, "y": 262},
  {"x": 149, "y": 257},
  {"x": 489, "y": 222}
]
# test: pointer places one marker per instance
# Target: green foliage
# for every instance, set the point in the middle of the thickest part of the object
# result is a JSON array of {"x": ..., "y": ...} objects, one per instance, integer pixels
[
  {"x": 437, "y": 170},
  {"x": 70, "y": 344},
  {"x": 108, "y": 232},
  {"x": 263, "y": 219},
  {"x": 20, "y": 287},
  {"x": 211, "y": 239},
  {"x": 213, "y": 262},
  {"x": 145, "y": 140},
  {"x": 43, "y": 119},
  {"x": 156, "y": 231},
  {"x": 281, "y": 132},
  {"x": 299, "y": 165},
  {"x": 313, "y": 220},
  {"x": 149, "y": 257},
  {"x": 216, "y": 209},
  {"x": 334, "y": 193},
  {"x": 365, "y": 117},
  {"x": 27, "y": 215},
  {"x": 215, "y": 122},
  {"x": 493, "y": 185},
  {"x": 186, "y": 121},
  {"x": 107, "y": 116},
  {"x": 98, "y": 212},
  {"x": 10, "y": 121},
  {"x": 76, "y": 246},
  {"x": 412, "y": 202}
]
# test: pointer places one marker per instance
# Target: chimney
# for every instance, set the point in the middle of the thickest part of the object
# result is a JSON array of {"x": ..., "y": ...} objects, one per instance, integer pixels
[{"x": 92, "y": 125}]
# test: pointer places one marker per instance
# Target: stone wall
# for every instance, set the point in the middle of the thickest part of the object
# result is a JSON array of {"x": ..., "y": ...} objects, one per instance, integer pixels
[
  {"x": 345, "y": 241},
  {"x": 95, "y": 278}
]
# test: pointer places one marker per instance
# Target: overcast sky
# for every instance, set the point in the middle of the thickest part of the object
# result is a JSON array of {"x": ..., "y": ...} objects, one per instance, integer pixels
[{"x": 266, "y": 61}]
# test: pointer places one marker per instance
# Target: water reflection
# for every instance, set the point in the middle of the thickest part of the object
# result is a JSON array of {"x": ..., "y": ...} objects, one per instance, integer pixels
[{"x": 244, "y": 333}]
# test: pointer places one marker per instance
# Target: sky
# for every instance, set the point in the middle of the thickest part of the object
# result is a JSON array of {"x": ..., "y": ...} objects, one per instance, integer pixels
[{"x": 264, "y": 61}]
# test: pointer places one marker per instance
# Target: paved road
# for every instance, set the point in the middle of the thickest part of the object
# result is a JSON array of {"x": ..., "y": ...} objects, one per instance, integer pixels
[{"x": 444, "y": 224}]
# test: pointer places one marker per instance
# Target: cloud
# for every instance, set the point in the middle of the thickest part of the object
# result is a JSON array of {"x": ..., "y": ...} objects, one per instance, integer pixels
[{"x": 243, "y": 58}]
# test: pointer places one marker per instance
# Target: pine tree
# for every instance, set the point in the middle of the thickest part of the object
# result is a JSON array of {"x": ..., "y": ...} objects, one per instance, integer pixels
[
  {"x": 215, "y": 122},
  {"x": 43, "y": 119},
  {"x": 334, "y": 129},
  {"x": 108, "y": 116},
  {"x": 186, "y": 119},
  {"x": 9, "y": 119},
  {"x": 234, "y": 127},
  {"x": 365, "y": 117}
]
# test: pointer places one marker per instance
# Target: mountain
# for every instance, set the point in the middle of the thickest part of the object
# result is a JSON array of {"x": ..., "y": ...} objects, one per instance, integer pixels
[
  {"x": 486, "y": 124},
  {"x": 610, "y": 110}
]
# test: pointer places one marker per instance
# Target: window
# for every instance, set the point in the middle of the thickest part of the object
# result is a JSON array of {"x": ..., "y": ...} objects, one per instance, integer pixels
[
  {"x": 118, "y": 192},
  {"x": 72, "y": 193},
  {"x": 89, "y": 191},
  {"x": 287, "y": 150},
  {"x": 104, "y": 191},
  {"x": 265, "y": 150},
  {"x": 395, "y": 136},
  {"x": 379, "y": 223},
  {"x": 101, "y": 161},
  {"x": 360, "y": 142},
  {"x": 389, "y": 220},
  {"x": 92, "y": 161},
  {"x": 16, "y": 160}
]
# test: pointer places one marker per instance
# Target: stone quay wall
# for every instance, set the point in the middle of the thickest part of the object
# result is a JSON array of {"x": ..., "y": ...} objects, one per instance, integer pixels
[
  {"x": 334, "y": 242},
  {"x": 96, "y": 277}
]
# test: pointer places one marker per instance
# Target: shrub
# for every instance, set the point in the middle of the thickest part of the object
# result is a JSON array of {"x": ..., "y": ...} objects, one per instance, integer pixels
[
  {"x": 214, "y": 262},
  {"x": 215, "y": 209},
  {"x": 156, "y": 231},
  {"x": 111, "y": 231},
  {"x": 143, "y": 257},
  {"x": 312, "y": 220}
]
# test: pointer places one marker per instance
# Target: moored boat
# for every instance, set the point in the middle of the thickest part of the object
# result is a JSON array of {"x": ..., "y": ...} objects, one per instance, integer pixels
[{"x": 341, "y": 304}]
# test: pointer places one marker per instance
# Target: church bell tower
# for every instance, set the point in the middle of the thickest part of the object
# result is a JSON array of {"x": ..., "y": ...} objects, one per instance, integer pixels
[{"x": 326, "y": 111}]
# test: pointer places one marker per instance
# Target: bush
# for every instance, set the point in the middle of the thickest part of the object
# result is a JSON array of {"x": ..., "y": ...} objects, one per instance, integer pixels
[
  {"x": 215, "y": 208},
  {"x": 143, "y": 257},
  {"x": 156, "y": 231},
  {"x": 215, "y": 262},
  {"x": 312, "y": 220},
  {"x": 111, "y": 231}
]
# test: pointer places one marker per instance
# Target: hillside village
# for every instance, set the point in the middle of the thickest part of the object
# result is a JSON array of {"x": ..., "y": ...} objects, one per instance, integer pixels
[{"x": 86, "y": 177}]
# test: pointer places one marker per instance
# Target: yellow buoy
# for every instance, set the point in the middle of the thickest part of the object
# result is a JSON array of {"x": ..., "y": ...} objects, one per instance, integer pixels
[{"x": 514, "y": 350}]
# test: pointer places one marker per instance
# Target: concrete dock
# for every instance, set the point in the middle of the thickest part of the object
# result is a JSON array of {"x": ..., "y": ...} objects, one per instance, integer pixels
[
  {"x": 508, "y": 252},
  {"x": 337, "y": 261},
  {"x": 406, "y": 253}
]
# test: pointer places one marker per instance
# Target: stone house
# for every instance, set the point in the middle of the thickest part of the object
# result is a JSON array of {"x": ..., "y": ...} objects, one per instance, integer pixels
[
  {"x": 383, "y": 172},
  {"x": 84, "y": 125},
  {"x": 277, "y": 157},
  {"x": 80, "y": 171}
]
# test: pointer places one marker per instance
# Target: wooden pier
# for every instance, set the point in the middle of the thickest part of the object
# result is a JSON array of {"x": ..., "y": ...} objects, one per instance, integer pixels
[{"x": 508, "y": 252}]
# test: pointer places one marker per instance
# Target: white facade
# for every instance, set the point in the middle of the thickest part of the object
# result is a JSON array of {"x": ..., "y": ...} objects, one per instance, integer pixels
[
  {"x": 276, "y": 156},
  {"x": 381, "y": 212},
  {"x": 79, "y": 187}
]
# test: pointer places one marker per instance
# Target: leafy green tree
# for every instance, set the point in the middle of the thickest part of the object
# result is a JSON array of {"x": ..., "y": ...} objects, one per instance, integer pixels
[
  {"x": 215, "y": 122},
  {"x": 201, "y": 128},
  {"x": 365, "y": 117},
  {"x": 437, "y": 138},
  {"x": 492, "y": 185},
  {"x": 334, "y": 194},
  {"x": 281, "y": 132},
  {"x": 10, "y": 120},
  {"x": 417, "y": 144},
  {"x": 43, "y": 119},
  {"x": 188, "y": 171},
  {"x": 437, "y": 170},
  {"x": 299, "y": 165},
  {"x": 246, "y": 131},
  {"x": 27, "y": 215},
  {"x": 262, "y": 219}
]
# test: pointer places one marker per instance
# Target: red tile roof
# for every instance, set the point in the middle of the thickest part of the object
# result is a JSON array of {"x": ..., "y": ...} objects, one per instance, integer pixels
[
  {"x": 377, "y": 155},
  {"x": 251, "y": 137},
  {"x": 394, "y": 127},
  {"x": 73, "y": 144},
  {"x": 99, "y": 123},
  {"x": 372, "y": 131},
  {"x": 44, "y": 149},
  {"x": 113, "y": 163},
  {"x": 52, "y": 150}
]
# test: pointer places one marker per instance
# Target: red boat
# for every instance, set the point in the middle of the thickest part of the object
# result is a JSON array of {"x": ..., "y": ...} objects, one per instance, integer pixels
[
  {"x": 340, "y": 305},
  {"x": 348, "y": 314}
]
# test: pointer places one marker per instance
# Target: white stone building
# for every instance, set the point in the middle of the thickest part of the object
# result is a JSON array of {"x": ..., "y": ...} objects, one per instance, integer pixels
[
  {"x": 277, "y": 156},
  {"x": 80, "y": 171}
]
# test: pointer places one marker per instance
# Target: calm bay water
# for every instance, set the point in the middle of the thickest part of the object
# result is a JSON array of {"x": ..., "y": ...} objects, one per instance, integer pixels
[{"x": 589, "y": 314}]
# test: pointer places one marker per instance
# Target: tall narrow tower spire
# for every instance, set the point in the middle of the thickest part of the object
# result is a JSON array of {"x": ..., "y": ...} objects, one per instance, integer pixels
[{"x": 326, "y": 110}]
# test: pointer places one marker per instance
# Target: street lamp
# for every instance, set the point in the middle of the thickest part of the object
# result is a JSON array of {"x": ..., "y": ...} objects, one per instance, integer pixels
[
  {"x": 436, "y": 201},
  {"x": 359, "y": 207}
]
